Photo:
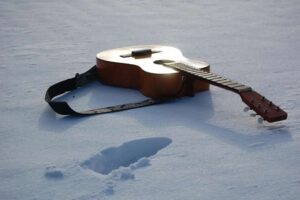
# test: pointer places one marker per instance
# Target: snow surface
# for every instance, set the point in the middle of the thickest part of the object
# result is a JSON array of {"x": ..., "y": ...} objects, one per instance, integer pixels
[{"x": 203, "y": 147}]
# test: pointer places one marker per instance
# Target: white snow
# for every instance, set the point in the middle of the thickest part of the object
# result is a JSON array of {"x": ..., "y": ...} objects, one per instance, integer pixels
[{"x": 203, "y": 147}]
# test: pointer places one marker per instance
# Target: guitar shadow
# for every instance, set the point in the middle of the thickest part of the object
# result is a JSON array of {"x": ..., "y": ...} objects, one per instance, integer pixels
[
  {"x": 49, "y": 121},
  {"x": 194, "y": 113}
]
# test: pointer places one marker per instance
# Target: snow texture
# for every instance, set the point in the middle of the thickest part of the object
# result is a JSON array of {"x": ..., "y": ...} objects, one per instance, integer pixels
[{"x": 203, "y": 147}]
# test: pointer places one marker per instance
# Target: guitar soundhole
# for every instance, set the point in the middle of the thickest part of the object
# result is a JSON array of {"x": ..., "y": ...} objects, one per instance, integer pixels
[{"x": 162, "y": 62}]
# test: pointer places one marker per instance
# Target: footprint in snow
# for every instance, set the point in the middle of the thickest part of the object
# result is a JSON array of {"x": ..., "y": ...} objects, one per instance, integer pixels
[
  {"x": 53, "y": 172},
  {"x": 133, "y": 154}
]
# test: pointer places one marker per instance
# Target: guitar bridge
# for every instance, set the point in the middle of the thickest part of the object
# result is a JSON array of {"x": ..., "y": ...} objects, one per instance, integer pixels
[{"x": 140, "y": 53}]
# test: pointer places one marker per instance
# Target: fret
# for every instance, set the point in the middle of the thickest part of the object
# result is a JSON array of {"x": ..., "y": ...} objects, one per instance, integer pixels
[
  {"x": 218, "y": 79},
  {"x": 208, "y": 76},
  {"x": 235, "y": 85},
  {"x": 186, "y": 68},
  {"x": 229, "y": 83},
  {"x": 194, "y": 71},
  {"x": 203, "y": 75},
  {"x": 200, "y": 73},
  {"x": 225, "y": 80},
  {"x": 240, "y": 87},
  {"x": 212, "y": 79}
]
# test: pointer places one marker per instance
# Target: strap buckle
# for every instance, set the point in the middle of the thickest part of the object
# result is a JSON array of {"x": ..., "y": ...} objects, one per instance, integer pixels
[{"x": 84, "y": 78}]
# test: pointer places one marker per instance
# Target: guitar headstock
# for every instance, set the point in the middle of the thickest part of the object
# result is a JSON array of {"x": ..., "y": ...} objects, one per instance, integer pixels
[{"x": 263, "y": 107}]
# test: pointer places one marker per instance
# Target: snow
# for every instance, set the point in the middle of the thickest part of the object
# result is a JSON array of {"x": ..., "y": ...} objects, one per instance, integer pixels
[{"x": 203, "y": 147}]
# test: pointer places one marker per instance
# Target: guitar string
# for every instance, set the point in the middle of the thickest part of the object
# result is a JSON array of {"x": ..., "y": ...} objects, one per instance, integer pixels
[
  {"x": 209, "y": 76},
  {"x": 223, "y": 81}
]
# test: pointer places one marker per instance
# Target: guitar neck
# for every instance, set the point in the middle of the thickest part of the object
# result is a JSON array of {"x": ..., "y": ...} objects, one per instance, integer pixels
[
  {"x": 258, "y": 103},
  {"x": 212, "y": 78}
]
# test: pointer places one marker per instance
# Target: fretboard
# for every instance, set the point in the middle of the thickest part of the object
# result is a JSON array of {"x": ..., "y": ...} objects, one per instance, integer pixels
[{"x": 212, "y": 78}]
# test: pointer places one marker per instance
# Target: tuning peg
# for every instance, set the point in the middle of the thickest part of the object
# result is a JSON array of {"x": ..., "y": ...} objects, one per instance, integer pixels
[
  {"x": 246, "y": 109},
  {"x": 253, "y": 114},
  {"x": 260, "y": 120}
]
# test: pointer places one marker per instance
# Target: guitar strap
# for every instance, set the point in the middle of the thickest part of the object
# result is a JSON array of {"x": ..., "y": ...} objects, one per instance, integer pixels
[{"x": 80, "y": 80}]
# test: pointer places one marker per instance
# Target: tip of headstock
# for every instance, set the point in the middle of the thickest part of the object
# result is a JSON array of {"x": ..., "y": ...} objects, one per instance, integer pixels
[{"x": 263, "y": 107}]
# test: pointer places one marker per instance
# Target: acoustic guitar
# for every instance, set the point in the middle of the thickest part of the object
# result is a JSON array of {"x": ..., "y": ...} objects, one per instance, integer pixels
[{"x": 163, "y": 72}]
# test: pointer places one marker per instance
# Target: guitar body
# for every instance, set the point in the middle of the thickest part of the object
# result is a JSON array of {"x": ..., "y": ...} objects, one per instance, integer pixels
[{"x": 139, "y": 67}]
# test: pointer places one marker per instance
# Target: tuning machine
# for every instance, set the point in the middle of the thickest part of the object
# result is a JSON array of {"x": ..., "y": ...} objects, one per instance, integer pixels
[{"x": 259, "y": 119}]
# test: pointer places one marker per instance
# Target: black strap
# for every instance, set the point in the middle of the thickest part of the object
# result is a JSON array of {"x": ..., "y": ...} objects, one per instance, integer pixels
[{"x": 79, "y": 80}]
